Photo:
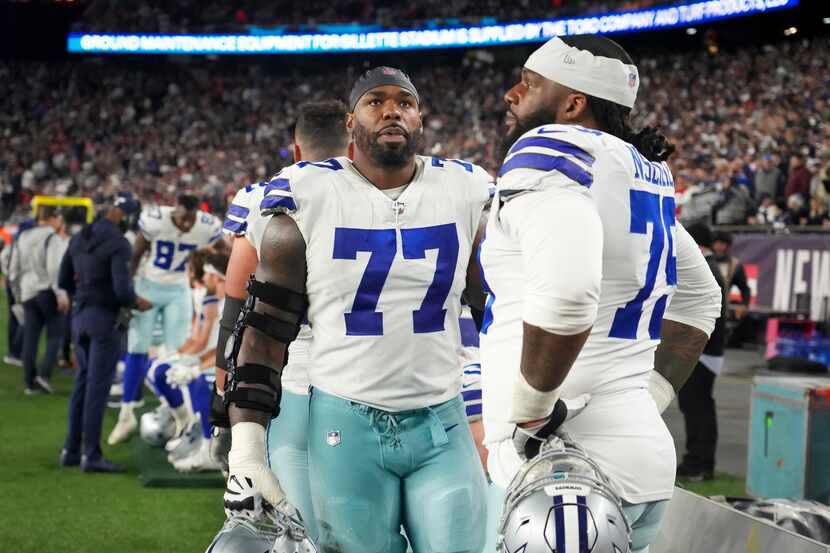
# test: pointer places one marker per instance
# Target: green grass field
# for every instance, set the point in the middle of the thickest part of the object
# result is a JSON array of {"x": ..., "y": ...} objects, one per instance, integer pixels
[{"x": 48, "y": 509}]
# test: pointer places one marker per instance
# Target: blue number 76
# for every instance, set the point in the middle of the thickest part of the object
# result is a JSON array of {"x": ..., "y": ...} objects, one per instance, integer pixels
[
  {"x": 647, "y": 207},
  {"x": 364, "y": 320}
]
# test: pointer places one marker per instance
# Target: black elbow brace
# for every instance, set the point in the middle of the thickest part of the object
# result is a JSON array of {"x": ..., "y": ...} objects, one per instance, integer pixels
[
  {"x": 277, "y": 329},
  {"x": 230, "y": 314}
]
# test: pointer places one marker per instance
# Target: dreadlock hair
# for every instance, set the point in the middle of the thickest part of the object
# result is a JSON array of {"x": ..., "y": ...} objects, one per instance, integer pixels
[{"x": 613, "y": 118}]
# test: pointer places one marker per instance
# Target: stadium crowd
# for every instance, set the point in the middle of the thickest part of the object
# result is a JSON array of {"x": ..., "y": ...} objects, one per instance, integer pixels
[
  {"x": 753, "y": 130},
  {"x": 187, "y": 16}
]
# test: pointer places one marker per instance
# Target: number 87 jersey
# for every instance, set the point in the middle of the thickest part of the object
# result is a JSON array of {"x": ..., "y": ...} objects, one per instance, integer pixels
[
  {"x": 170, "y": 247},
  {"x": 385, "y": 276}
]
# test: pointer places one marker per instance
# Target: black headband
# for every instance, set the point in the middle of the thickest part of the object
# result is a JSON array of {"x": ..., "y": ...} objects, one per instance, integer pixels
[{"x": 380, "y": 76}]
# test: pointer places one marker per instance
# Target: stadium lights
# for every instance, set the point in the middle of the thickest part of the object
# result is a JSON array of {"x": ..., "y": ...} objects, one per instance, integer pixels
[
  {"x": 791, "y": 31},
  {"x": 663, "y": 17},
  {"x": 691, "y": 31},
  {"x": 826, "y": 20}
]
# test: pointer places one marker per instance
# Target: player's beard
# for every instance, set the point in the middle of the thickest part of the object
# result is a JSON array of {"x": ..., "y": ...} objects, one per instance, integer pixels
[
  {"x": 386, "y": 155},
  {"x": 537, "y": 119}
]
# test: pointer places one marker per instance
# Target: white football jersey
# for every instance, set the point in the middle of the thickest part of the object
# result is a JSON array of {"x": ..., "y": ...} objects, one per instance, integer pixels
[
  {"x": 384, "y": 276},
  {"x": 213, "y": 338},
  {"x": 169, "y": 246},
  {"x": 621, "y": 427},
  {"x": 245, "y": 219}
]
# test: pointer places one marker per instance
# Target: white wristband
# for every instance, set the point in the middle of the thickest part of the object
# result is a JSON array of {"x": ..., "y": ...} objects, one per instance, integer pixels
[
  {"x": 661, "y": 390},
  {"x": 247, "y": 444},
  {"x": 530, "y": 404}
]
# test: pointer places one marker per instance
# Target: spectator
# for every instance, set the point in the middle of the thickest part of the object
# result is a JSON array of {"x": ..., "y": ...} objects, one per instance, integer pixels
[
  {"x": 797, "y": 212},
  {"x": 731, "y": 270},
  {"x": 817, "y": 214},
  {"x": 695, "y": 398},
  {"x": 733, "y": 206},
  {"x": 34, "y": 271},
  {"x": 768, "y": 212},
  {"x": 767, "y": 177},
  {"x": 820, "y": 184},
  {"x": 798, "y": 180}
]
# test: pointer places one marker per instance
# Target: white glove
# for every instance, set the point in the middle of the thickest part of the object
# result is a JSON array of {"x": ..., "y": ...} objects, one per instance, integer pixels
[
  {"x": 188, "y": 359},
  {"x": 661, "y": 390},
  {"x": 528, "y": 439},
  {"x": 251, "y": 484},
  {"x": 181, "y": 375},
  {"x": 169, "y": 358}
]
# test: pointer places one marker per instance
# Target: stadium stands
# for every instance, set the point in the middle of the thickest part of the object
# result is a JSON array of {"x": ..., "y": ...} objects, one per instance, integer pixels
[
  {"x": 93, "y": 127},
  {"x": 188, "y": 16}
]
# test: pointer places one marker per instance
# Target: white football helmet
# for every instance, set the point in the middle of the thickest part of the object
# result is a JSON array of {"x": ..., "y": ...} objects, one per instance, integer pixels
[
  {"x": 260, "y": 528},
  {"x": 561, "y": 502},
  {"x": 157, "y": 426}
]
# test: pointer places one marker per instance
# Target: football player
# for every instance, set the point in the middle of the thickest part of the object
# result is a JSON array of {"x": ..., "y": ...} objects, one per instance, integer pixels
[
  {"x": 168, "y": 234},
  {"x": 198, "y": 378},
  {"x": 320, "y": 133},
  {"x": 377, "y": 250},
  {"x": 586, "y": 268},
  {"x": 199, "y": 350}
]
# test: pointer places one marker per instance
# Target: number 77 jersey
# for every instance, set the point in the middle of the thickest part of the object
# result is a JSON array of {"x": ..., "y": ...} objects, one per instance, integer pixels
[{"x": 385, "y": 276}]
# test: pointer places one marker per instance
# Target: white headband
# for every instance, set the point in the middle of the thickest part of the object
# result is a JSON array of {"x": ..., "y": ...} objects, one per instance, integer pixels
[
  {"x": 606, "y": 78},
  {"x": 208, "y": 268}
]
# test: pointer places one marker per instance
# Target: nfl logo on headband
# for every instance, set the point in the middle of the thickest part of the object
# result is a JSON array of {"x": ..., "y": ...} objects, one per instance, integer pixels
[{"x": 599, "y": 76}]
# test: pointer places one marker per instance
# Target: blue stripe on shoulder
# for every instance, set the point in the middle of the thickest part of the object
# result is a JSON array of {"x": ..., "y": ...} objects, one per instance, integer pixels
[
  {"x": 234, "y": 226},
  {"x": 471, "y": 395},
  {"x": 273, "y": 202},
  {"x": 238, "y": 210},
  {"x": 278, "y": 184},
  {"x": 554, "y": 144},
  {"x": 544, "y": 162}
]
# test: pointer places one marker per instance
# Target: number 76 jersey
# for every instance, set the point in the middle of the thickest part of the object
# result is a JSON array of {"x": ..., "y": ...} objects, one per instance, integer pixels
[
  {"x": 385, "y": 276},
  {"x": 634, "y": 198}
]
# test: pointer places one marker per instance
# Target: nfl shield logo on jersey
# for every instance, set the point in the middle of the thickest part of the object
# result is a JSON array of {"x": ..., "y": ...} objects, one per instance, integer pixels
[{"x": 333, "y": 438}]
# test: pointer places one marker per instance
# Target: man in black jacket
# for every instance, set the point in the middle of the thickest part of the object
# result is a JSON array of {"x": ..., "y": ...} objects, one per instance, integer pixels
[
  {"x": 695, "y": 397},
  {"x": 95, "y": 272}
]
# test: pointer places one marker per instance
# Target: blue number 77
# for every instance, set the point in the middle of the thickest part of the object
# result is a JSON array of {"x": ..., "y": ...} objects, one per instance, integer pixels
[{"x": 364, "y": 320}]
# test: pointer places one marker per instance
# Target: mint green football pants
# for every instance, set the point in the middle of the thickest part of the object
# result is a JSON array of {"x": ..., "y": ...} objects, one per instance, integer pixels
[
  {"x": 288, "y": 455},
  {"x": 373, "y": 472}
]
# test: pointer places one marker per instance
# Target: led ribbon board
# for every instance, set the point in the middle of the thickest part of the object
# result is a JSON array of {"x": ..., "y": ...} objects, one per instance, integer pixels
[{"x": 679, "y": 15}]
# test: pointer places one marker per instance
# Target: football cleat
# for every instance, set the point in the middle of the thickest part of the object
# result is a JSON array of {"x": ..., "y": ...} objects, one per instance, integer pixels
[
  {"x": 158, "y": 426},
  {"x": 186, "y": 444},
  {"x": 561, "y": 501},
  {"x": 198, "y": 461},
  {"x": 124, "y": 428}
]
